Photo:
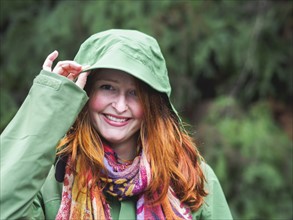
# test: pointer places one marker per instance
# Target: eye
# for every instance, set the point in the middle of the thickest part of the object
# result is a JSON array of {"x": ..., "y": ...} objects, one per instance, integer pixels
[
  {"x": 132, "y": 93},
  {"x": 106, "y": 87}
]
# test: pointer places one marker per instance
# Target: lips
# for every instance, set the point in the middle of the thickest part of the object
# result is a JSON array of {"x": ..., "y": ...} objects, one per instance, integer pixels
[{"x": 116, "y": 121}]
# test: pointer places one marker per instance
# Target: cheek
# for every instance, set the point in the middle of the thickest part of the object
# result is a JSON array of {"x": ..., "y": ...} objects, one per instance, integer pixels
[
  {"x": 138, "y": 111},
  {"x": 96, "y": 103}
]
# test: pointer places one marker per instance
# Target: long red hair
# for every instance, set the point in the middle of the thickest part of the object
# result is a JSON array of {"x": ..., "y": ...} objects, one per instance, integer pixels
[{"x": 173, "y": 156}]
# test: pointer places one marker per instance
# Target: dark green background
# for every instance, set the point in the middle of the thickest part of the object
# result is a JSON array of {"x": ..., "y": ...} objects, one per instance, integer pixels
[{"x": 230, "y": 65}]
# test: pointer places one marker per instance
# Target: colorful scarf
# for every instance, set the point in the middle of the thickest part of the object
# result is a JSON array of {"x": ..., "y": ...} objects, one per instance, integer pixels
[{"x": 124, "y": 181}]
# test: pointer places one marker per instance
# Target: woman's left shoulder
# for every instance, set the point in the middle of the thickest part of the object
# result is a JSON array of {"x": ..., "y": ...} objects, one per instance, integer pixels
[
  {"x": 215, "y": 206},
  {"x": 208, "y": 171}
]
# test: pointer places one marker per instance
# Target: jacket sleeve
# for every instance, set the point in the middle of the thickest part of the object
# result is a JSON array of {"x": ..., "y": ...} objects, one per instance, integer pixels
[
  {"x": 215, "y": 206},
  {"x": 28, "y": 142}
]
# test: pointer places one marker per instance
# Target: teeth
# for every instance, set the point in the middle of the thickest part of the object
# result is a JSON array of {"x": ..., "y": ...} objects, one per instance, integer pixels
[{"x": 116, "y": 119}]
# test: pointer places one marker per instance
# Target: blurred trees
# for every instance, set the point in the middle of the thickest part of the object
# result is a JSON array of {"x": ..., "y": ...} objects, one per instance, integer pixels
[
  {"x": 252, "y": 157},
  {"x": 230, "y": 65}
]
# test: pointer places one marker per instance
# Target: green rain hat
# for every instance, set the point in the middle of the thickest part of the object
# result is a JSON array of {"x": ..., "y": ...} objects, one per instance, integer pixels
[{"x": 130, "y": 51}]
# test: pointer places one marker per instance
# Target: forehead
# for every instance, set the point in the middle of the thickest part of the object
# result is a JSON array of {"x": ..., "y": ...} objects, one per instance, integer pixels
[{"x": 114, "y": 75}]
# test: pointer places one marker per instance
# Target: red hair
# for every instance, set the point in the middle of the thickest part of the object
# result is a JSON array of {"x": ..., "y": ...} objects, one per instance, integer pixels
[{"x": 173, "y": 156}]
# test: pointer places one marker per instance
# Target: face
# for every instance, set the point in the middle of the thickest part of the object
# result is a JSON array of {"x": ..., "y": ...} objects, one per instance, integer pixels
[{"x": 114, "y": 107}]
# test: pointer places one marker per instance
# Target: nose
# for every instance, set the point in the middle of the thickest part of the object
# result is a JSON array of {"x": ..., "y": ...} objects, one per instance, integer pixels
[{"x": 120, "y": 104}]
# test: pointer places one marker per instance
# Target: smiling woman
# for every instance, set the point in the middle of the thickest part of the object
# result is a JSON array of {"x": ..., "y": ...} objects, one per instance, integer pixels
[
  {"x": 115, "y": 110},
  {"x": 122, "y": 150}
]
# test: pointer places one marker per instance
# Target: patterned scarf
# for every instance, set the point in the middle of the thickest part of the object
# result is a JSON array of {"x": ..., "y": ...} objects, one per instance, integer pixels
[{"x": 124, "y": 180}]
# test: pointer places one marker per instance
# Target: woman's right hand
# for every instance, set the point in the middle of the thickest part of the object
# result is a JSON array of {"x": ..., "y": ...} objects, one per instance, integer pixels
[{"x": 67, "y": 68}]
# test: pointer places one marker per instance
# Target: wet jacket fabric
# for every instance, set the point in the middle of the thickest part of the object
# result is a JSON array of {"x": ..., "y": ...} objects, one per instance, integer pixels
[{"x": 28, "y": 186}]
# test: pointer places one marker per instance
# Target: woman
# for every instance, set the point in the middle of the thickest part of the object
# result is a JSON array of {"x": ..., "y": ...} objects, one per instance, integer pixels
[{"x": 122, "y": 151}]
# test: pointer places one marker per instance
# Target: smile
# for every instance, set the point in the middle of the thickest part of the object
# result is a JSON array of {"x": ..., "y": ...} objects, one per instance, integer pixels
[
  {"x": 112, "y": 118},
  {"x": 115, "y": 119}
]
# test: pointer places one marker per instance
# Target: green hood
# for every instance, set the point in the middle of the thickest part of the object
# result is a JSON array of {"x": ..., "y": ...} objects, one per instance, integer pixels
[{"x": 130, "y": 51}]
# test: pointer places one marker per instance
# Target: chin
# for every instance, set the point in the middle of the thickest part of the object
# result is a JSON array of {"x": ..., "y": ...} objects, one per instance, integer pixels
[{"x": 113, "y": 140}]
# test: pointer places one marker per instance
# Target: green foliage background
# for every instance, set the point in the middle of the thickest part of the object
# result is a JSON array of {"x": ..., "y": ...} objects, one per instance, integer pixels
[{"x": 230, "y": 65}]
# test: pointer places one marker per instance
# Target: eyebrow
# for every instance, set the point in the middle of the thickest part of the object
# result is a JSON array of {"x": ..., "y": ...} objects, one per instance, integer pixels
[
  {"x": 110, "y": 80},
  {"x": 113, "y": 80}
]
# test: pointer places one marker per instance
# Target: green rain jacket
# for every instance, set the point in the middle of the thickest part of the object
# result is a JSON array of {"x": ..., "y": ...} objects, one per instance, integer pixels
[{"x": 28, "y": 186}]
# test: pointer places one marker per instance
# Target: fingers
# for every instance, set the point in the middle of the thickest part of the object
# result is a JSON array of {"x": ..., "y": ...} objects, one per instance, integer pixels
[
  {"x": 81, "y": 80},
  {"x": 68, "y": 69},
  {"x": 63, "y": 68},
  {"x": 49, "y": 61}
]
